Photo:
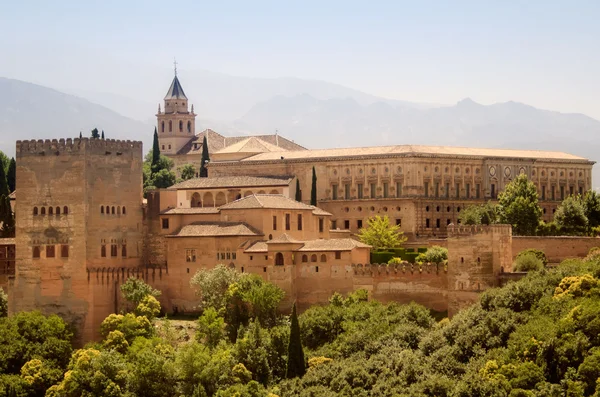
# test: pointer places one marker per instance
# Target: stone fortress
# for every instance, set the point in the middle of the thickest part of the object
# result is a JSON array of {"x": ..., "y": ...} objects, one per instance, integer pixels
[{"x": 83, "y": 227}]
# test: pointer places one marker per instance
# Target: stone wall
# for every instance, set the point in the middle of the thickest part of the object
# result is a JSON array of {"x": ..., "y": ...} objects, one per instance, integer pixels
[{"x": 556, "y": 249}]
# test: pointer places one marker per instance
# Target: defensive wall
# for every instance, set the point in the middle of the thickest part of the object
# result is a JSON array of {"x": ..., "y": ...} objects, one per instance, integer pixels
[{"x": 557, "y": 248}]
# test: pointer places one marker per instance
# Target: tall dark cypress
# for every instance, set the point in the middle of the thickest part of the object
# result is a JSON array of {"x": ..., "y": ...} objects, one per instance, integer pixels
[
  {"x": 295, "y": 365},
  {"x": 11, "y": 177},
  {"x": 155, "y": 152},
  {"x": 205, "y": 159},
  {"x": 313, "y": 189},
  {"x": 3, "y": 184},
  {"x": 102, "y": 134},
  {"x": 80, "y": 135},
  {"x": 298, "y": 191},
  {"x": 7, "y": 217}
]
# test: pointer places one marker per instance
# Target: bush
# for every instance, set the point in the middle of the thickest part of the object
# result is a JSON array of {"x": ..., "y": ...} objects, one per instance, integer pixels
[
  {"x": 381, "y": 256},
  {"x": 527, "y": 263},
  {"x": 538, "y": 254},
  {"x": 548, "y": 229}
]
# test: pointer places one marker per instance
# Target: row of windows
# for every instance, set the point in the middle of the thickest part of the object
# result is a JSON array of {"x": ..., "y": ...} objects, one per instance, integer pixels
[
  {"x": 189, "y": 126},
  {"x": 51, "y": 210},
  {"x": 50, "y": 251},
  {"x": 114, "y": 251},
  {"x": 359, "y": 224},
  {"x": 288, "y": 222},
  {"x": 446, "y": 190},
  {"x": 561, "y": 191},
  {"x": 360, "y": 191},
  {"x": 113, "y": 210},
  {"x": 313, "y": 257}
]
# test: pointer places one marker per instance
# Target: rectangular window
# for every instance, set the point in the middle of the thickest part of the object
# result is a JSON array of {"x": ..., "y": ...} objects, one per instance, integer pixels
[
  {"x": 50, "y": 251},
  {"x": 580, "y": 190},
  {"x": 373, "y": 190},
  {"x": 468, "y": 189},
  {"x": 426, "y": 189},
  {"x": 447, "y": 190},
  {"x": 228, "y": 254},
  {"x": 233, "y": 255},
  {"x": 386, "y": 189},
  {"x": 334, "y": 192},
  {"x": 553, "y": 193},
  {"x": 334, "y": 225},
  {"x": 437, "y": 189},
  {"x": 103, "y": 251},
  {"x": 398, "y": 222},
  {"x": 64, "y": 251},
  {"x": 113, "y": 250},
  {"x": 321, "y": 225},
  {"x": 165, "y": 223},
  {"x": 338, "y": 254},
  {"x": 427, "y": 225},
  {"x": 299, "y": 221},
  {"x": 347, "y": 191},
  {"x": 571, "y": 190},
  {"x": 457, "y": 188},
  {"x": 493, "y": 191},
  {"x": 274, "y": 222},
  {"x": 562, "y": 192},
  {"x": 398, "y": 189},
  {"x": 477, "y": 189},
  {"x": 360, "y": 190},
  {"x": 124, "y": 251},
  {"x": 437, "y": 223},
  {"x": 36, "y": 252},
  {"x": 190, "y": 255},
  {"x": 346, "y": 224},
  {"x": 287, "y": 222},
  {"x": 543, "y": 192},
  {"x": 359, "y": 224}
]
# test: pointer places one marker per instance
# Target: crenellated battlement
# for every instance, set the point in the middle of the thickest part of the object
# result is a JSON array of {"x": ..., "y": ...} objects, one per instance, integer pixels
[
  {"x": 399, "y": 269},
  {"x": 46, "y": 147},
  {"x": 469, "y": 230}
]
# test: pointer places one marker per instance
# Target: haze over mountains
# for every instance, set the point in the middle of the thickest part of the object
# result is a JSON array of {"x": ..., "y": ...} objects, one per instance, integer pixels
[{"x": 315, "y": 114}]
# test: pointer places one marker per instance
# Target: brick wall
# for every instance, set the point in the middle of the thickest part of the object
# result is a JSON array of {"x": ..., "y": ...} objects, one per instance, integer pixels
[{"x": 556, "y": 249}]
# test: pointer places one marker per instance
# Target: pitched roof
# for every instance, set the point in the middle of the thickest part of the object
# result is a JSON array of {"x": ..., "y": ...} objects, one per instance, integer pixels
[
  {"x": 340, "y": 244},
  {"x": 408, "y": 150},
  {"x": 188, "y": 211},
  {"x": 283, "y": 239},
  {"x": 251, "y": 145},
  {"x": 233, "y": 181},
  {"x": 259, "y": 246},
  {"x": 216, "y": 229},
  {"x": 175, "y": 91},
  {"x": 272, "y": 201}
]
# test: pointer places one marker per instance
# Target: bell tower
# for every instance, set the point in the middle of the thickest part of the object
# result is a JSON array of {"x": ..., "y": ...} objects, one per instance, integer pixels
[{"x": 176, "y": 124}]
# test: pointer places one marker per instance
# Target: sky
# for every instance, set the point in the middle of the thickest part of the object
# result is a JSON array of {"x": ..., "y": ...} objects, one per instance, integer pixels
[{"x": 543, "y": 53}]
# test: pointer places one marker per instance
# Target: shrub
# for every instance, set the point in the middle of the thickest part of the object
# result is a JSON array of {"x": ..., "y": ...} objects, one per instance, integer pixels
[
  {"x": 395, "y": 261},
  {"x": 538, "y": 254},
  {"x": 527, "y": 263},
  {"x": 381, "y": 256}
]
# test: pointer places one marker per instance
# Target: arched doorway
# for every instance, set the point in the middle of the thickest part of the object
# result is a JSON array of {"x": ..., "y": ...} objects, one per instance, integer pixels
[
  {"x": 207, "y": 199},
  {"x": 220, "y": 199},
  {"x": 196, "y": 200}
]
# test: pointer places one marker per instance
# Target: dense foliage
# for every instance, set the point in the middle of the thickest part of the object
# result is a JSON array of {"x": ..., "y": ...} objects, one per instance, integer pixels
[
  {"x": 484, "y": 214},
  {"x": 381, "y": 234},
  {"x": 518, "y": 206}
]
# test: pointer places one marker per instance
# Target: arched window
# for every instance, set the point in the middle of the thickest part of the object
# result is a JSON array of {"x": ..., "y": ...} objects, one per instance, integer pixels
[
  {"x": 304, "y": 258},
  {"x": 36, "y": 252},
  {"x": 43, "y": 211},
  {"x": 162, "y": 127},
  {"x": 279, "y": 259},
  {"x": 57, "y": 210},
  {"x": 102, "y": 209},
  {"x": 313, "y": 258},
  {"x": 189, "y": 126},
  {"x": 180, "y": 126},
  {"x": 323, "y": 258},
  {"x": 170, "y": 126},
  {"x": 65, "y": 210},
  {"x": 50, "y": 210},
  {"x": 112, "y": 211},
  {"x": 107, "y": 210},
  {"x": 123, "y": 210},
  {"x": 35, "y": 210}
]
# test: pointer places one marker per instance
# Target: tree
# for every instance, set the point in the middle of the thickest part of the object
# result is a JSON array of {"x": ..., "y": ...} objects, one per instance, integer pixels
[
  {"x": 570, "y": 215},
  {"x": 3, "y": 303},
  {"x": 102, "y": 134},
  {"x": 4, "y": 191},
  {"x": 80, "y": 135},
  {"x": 205, "y": 158},
  {"x": 212, "y": 285},
  {"x": 518, "y": 206},
  {"x": 211, "y": 328},
  {"x": 379, "y": 233},
  {"x": 135, "y": 290},
  {"x": 434, "y": 254},
  {"x": 155, "y": 152},
  {"x": 7, "y": 217},
  {"x": 163, "y": 179},
  {"x": 295, "y": 364},
  {"x": 527, "y": 262},
  {"x": 187, "y": 172},
  {"x": 591, "y": 202},
  {"x": 313, "y": 188},
  {"x": 298, "y": 191},
  {"x": 11, "y": 176},
  {"x": 95, "y": 133},
  {"x": 149, "y": 307},
  {"x": 484, "y": 214}
]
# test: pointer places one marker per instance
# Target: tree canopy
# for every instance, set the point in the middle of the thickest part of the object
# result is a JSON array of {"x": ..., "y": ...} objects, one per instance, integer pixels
[
  {"x": 570, "y": 215},
  {"x": 518, "y": 206},
  {"x": 187, "y": 172},
  {"x": 380, "y": 233}
]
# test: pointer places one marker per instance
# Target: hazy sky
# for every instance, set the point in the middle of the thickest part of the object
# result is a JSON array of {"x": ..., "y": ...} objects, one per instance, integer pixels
[{"x": 544, "y": 53}]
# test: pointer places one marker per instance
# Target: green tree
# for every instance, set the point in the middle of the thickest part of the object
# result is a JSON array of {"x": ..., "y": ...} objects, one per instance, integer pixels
[
  {"x": 3, "y": 303},
  {"x": 591, "y": 203},
  {"x": 163, "y": 179},
  {"x": 4, "y": 191},
  {"x": 205, "y": 158},
  {"x": 484, "y": 214},
  {"x": 187, "y": 172},
  {"x": 379, "y": 233},
  {"x": 298, "y": 191},
  {"x": 11, "y": 176},
  {"x": 295, "y": 364},
  {"x": 570, "y": 215},
  {"x": 313, "y": 188},
  {"x": 7, "y": 217},
  {"x": 95, "y": 133},
  {"x": 102, "y": 136},
  {"x": 518, "y": 206},
  {"x": 135, "y": 290},
  {"x": 153, "y": 372},
  {"x": 211, "y": 328},
  {"x": 528, "y": 262},
  {"x": 434, "y": 254},
  {"x": 212, "y": 285},
  {"x": 80, "y": 135},
  {"x": 154, "y": 166},
  {"x": 148, "y": 307}
]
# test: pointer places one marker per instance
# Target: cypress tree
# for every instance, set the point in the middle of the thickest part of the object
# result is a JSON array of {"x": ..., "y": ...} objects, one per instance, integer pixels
[
  {"x": 11, "y": 178},
  {"x": 3, "y": 184},
  {"x": 102, "y": 134},
  {"x": 205, "y": 159},
  {"x": 155, "y": 152},
  {"x": 295, "y": 365},
  {"x": 80, "y": 135},
  {"x": 7, "y": 217},
  {"x": 313, "y": 190},
  {"x": 298, "y": 192},
  {"x": 95, "y": 133}
]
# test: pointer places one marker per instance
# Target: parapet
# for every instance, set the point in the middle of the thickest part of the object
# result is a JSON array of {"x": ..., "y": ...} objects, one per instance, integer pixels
[
  {"x": 469, "y": 230},
  {"x": 46, "y": 147},
  {"x": 399, "y": 269}
]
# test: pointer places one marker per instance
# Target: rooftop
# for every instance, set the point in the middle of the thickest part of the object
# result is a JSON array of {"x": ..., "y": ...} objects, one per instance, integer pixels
[
  {"x": 216, "y": 229},
  {"x": 413, "y": 150},
  {"x": 272, "y": 201},
  {"x": 176, "y": 90},
  {"x": 188, "y": 211},
  {"x": 340, "y": 244},
  {"x": 232, "y": 181},
  {"x": 251, "y": 145},
  {"x": 283, "y": 239}
]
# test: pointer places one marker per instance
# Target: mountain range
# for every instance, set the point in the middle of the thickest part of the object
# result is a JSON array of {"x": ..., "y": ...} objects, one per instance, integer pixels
[{"x": 314, "y": 114}]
